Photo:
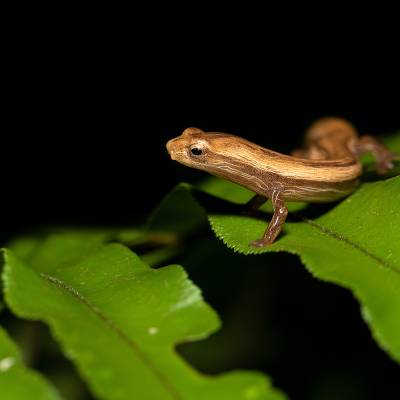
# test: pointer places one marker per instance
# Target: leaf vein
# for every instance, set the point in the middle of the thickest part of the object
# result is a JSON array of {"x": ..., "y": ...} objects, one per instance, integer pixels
[
  {"x": 125, "y": 338},
  {"x": 355, "y": 245}
]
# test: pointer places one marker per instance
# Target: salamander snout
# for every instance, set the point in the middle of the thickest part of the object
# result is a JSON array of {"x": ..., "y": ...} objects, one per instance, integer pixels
[{"x": 172, "y": 147}]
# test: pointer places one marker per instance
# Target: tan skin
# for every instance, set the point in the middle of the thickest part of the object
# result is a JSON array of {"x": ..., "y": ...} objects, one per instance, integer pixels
[{"x": 327, "y": 169}]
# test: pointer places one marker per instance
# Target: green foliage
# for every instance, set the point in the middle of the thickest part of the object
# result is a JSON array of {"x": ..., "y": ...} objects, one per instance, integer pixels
[
  {"x": 119, "y": 320},
  {"x": 16, "y": 381},
  {"x": 353, "y": 245}
]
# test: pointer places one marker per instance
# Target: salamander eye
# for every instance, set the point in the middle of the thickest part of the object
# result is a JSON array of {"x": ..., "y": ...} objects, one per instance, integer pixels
[{"x": 196, "y": 151}]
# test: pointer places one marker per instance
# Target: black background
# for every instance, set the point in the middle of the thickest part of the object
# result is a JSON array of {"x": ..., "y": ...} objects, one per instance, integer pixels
[
  {"x": 85, "y": 124},
  {"x": 84, "y": 139}
]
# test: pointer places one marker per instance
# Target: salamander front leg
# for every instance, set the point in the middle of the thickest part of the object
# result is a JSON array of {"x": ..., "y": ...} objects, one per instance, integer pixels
[
  {"x": 277, "y": 221},
  {"x": 383, "y": 156}
]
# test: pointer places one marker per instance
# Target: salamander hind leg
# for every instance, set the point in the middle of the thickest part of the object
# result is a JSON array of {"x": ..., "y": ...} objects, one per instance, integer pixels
[
  {"x": 254, "y": 204},
  {"x": 383, "y": 156},
  {"x": 275, "y": 226}
]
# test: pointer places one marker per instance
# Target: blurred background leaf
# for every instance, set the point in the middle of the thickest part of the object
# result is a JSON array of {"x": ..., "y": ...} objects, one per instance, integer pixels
[{"x": 18, "y": 382}]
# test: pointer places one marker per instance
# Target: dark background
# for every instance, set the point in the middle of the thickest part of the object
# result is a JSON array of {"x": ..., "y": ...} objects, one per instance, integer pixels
[{"x": 83, "y": 143}]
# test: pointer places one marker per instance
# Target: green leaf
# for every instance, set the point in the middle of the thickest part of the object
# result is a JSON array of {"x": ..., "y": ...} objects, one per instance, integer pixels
[
  {"x": 119, "y": 320},
  {"x": 18, "y": 382},
  {"x": 356, "y": 245}
]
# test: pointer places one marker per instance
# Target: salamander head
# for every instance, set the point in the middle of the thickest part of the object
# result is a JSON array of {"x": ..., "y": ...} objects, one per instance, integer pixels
[
  {"x": 198, "y": 149},
  {"x": 227, "y": 156}
]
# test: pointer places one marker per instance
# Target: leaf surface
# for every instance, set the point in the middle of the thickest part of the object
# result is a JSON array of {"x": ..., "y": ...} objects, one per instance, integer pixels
[
  {"x": 119, "y": 320},
  {"x": 355, "y": 245}
]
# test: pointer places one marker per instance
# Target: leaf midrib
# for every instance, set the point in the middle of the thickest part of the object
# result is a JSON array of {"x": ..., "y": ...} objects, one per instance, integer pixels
[
  {"x": 343, "y": 239},
  {"x": 172, "y": 391}
]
